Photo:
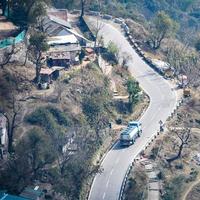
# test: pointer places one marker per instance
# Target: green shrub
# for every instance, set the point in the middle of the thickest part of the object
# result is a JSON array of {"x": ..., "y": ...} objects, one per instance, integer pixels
[
  {"x": 60, "y": 116},
  {"x": 49, "y": 118}
]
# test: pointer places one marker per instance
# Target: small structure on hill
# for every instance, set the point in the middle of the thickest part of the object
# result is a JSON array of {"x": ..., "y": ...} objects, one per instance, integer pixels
[
  {"x": 47, "y": 75},
  {"x": 64, "y": 51}
]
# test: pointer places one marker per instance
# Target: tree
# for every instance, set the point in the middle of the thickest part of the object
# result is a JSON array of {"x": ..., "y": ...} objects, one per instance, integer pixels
[
  {"x": 38, "y": 45},
  {"x": 7, "y": 55},
  {"x": 184, "y": 137},
  {"x": 112, "y": 53},
  {"x": 126, "y": 58},
  {"x": 133, "y": 91},
  {"x": 163, "y": 26},
  {"x": 11, "y": 113},
  {"x": 93, "y": 106},
  {"x": 97, "y": 28},
  {"x": 83, "y": 4},
  {"x": 27, "y": 12},
  {"x": 183, "y": 60},
  {"x": 37, "y": 149},
  {"x": 32, "y": 154}
]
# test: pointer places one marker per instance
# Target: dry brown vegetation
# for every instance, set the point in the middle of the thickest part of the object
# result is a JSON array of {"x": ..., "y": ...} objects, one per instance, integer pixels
[{"x": 183, "y": 170}]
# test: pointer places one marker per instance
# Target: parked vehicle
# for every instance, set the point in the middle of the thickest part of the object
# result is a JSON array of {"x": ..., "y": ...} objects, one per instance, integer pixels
[
  {"x": 131, "y": 133},
  {"x": 108, "y": 17},
  {"x": 118, "y": 20}
]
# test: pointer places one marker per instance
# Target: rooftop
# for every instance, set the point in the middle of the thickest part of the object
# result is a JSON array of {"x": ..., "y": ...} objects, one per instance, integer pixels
[
  {"x": 65, "y": 48},
  {"x": 59, "y": 55},
  {"x": 4, "y": 196},
  {"x": 49, "y": 71},
  {"x": 66, "y": 39}
]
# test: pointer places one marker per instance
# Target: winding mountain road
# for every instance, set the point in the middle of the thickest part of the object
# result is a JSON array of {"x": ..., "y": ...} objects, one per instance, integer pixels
[{"x": 106, "y": 186}]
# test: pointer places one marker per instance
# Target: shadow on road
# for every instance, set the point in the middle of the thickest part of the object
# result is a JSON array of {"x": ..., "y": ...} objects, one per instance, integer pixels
[{"x": 119, "y": 147}]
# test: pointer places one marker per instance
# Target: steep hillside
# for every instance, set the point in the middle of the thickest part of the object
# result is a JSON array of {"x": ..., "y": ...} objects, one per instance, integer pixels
[{"x": 185, "y": 12}]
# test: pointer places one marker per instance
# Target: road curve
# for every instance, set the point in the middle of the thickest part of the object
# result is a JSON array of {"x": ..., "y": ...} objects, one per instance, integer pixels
[{"x": 106, "y": 186}]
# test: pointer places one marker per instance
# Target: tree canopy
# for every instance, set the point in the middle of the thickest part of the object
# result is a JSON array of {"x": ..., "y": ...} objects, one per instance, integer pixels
[{"x": 163, "y": 26}]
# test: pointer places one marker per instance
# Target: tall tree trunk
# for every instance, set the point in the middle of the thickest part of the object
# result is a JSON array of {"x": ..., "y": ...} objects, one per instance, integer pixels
[
  {"x": 180, "y": 150},
  {"x": 26, "y": 57},
  {"x": 82, "y": 8},
  {"x": 10, "y": 142},
  {"x": 38, "y": 69}
]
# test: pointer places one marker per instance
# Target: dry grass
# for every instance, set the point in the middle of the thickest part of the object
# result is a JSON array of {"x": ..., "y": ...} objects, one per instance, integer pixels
[{"x": 167, "y": 145}]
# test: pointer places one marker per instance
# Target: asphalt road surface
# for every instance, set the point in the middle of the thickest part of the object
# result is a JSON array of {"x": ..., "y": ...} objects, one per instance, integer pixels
[{"x": 106, "y": 186}]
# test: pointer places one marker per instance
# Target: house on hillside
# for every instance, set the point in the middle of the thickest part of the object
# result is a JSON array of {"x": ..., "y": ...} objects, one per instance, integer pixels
[
  {"x": 51, "y": 22},
  {"x": 56, "y": 24},
  {"x": 64, "y": 51},
  {"x": 27, "y": 194},
  {"x": 3, "y": 136},
  {"x": 32, "y": 194},
  {"x": 47, "y": 75},
  {"x": 64, "y": 41},
  {"x": 5, "y": 196}
]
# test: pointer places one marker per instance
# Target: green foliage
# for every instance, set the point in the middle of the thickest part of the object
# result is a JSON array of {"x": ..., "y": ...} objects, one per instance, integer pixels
[
  {"x": 133, "y": 91},
  {"x": 61, "y": 117},
  {"x": 27, "y": 12},
  {"x": 111, "y": 53},
  {"x": 31, "y": 156},
  {"x": 173, "y": 188},
  {"x": 38, "y": 42},
  {"x": 49, "y": 118},
  {"x": 94, "y": 106},
  {"x": 163, "y": 26},
  {"x": 76, "y": 171}
]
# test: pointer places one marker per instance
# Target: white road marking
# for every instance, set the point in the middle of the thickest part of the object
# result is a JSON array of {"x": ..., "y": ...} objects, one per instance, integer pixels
[
  {"x": 117, "y": 160},
  {"x": 104, "y": 194},
  {"x": 107, "y": 183}
]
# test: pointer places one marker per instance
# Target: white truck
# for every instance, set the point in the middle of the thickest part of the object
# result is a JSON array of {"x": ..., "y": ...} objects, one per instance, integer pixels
[{"x": 131, "y": 133}]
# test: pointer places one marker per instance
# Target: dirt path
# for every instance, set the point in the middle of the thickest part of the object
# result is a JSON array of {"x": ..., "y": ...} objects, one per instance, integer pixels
[{"x": 190, "y": 188}]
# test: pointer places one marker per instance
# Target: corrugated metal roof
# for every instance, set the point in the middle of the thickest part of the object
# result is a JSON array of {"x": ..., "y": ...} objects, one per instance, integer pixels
[
  {"x": 12, "y": 197},
  {"x": 60, "y": 21},
  {"x": 65, "y": 48},
  {"x": 66, "y": 39}
]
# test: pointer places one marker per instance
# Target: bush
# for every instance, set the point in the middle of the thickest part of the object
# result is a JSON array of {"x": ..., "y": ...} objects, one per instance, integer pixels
[
  {"x": 49, "y": 118},
  {"x": 192, "y": 177},
  {"x": 161, "y": 175},
  {"x": 154, "y": 153},
  {"x": 179, "y": 166},
  {"x": 118, "y": 121},
  {"x": 173, "y": 188},
  {"x": 60, "y": 116}
]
